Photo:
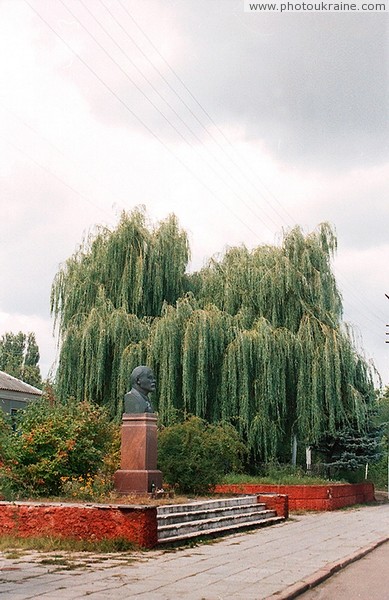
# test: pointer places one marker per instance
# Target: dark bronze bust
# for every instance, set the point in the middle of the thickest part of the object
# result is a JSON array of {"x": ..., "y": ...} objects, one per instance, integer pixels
[{"x": 142, "y": 383}]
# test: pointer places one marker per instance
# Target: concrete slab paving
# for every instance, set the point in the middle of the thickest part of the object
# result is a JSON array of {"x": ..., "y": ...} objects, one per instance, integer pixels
[{"x": 245, "y": 566}]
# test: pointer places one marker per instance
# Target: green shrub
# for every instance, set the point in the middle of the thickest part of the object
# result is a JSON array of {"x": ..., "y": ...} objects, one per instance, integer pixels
[
  {"x": 378, "y": 473},
  {"x": 5, "y": 452},
  {"x": 193, "y": 456},
  {"x": 53, "y": 441},
  {"x": 5, "y": 432}
]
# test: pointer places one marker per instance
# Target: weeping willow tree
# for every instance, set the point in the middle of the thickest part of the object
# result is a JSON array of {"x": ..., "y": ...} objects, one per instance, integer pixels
[
  {"x": 293, "y": 368},
  {"x": 105, "y": 297},
  {"x": 255, "y": 338}
]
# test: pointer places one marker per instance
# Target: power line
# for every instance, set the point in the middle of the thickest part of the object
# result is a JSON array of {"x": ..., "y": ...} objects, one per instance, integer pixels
[
  {"x": 179, "y": 79},
  {"x": 350, "y": 287},
  {"x": 70, "y": 187},
  {"x": 213, "y": 138},
  {"x": 366, "y": 314},
  {"x": 189, "y": 92},
  {"x": 139, "y": 120},
  {"x": 97, "y": 42},
  {"x": 53, "y": 146},
  {"x": 152, "y": 133}
]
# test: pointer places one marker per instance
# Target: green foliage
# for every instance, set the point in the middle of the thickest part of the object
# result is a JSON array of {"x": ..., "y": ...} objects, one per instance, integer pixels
[
  {"x": 52, "y": 442},
  {"x": 362, "y": 441},
  {"x": 382, "y": 415},
  {"x": 91, "y": 487},
  {"x": 255, "y": 378},
  {"x": 255, "y": 338},
  {"x": 19, "y": 357},
  {"x": 378, "y": 472},
  {"x": 100, "y": 297},
  {"x": 5, "y": 434},
  {"x": 12, "y": 353},
  {"x": 194, "y": 455}
]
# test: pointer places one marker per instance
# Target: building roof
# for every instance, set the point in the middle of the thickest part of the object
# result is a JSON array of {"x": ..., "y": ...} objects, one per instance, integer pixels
[{"x": 9, "y": 383}]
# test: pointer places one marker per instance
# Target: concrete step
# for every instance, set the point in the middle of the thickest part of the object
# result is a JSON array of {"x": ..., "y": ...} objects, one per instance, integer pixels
[
  {"x": 205, "y": 512},
  {"x": 184, "y": 521},
  {"x": 180, "y": 536},
  {"x": 220, "y": 522},
  {"x": 207, "y": 504}
]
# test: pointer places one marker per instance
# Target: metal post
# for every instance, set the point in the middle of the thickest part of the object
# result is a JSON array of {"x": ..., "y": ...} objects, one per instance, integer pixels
[
  {"x": 308, "y": 458},
  {"x": 294, "y": 450}
]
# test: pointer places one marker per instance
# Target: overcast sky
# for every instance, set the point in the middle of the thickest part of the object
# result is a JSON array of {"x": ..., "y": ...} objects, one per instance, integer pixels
[{"x": 242, "y": 124}]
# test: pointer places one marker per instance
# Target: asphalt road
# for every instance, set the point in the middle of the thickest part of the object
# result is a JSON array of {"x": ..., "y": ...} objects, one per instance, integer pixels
[{"x": 365, "y": 579}]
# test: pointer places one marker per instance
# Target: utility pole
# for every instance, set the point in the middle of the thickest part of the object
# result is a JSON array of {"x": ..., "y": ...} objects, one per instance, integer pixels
[
  {"x": 387, "y": 342},
  {"x": 387, "y": 333}
]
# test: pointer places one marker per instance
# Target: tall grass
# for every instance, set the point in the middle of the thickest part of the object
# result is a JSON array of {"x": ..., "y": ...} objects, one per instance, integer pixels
[{"x": 279, "y": 475}]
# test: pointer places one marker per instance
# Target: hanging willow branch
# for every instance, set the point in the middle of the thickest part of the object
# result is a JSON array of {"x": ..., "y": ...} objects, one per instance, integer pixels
[
  {"x": 101, "y": 295},
  {"x": 255, "y": 390},
  {"x": 258, "y": 340},
  {"x": 207, "y": 334},
  {"x": 166, "y": 341}
]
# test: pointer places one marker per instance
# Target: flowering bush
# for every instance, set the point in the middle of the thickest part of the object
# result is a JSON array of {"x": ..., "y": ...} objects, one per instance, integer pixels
[
  {"x": 86, "y": 487},
  {"x": 53, "y": 441}
]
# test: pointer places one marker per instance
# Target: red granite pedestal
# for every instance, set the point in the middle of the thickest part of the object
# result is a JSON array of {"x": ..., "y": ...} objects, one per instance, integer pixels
[{"x": 138, "y": 467}]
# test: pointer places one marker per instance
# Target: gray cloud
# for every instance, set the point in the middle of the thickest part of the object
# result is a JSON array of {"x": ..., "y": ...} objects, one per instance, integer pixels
[
  {"x": 43, "y": 225},
  {"x": 314, "y": 87},
  {"x": 307, "y": 93}
]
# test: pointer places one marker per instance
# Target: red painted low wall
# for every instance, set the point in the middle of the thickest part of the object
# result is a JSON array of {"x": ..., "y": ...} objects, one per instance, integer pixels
[
  {"x": 277, "y": 502},
  {"x": 309, "y": 497},
  {"x": 137, "y": 524}
]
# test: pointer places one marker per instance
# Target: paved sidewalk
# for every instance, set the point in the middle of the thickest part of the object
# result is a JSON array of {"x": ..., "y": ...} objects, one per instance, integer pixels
[{"x": 245, "y": 566}]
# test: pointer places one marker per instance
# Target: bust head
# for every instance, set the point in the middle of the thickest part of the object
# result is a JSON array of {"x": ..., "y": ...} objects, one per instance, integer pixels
[
  {"x": 142, "y": 383},
  {"x": 143, "y": 380}
]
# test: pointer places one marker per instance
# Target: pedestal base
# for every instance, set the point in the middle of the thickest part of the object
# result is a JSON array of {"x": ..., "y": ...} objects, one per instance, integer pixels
[
  {"x": 137, "y": 482},
  {"x": 138, "y": 472}
]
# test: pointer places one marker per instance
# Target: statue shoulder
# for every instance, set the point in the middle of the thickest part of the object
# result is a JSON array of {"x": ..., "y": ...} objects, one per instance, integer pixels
[{"x": 135, "y": 403}]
